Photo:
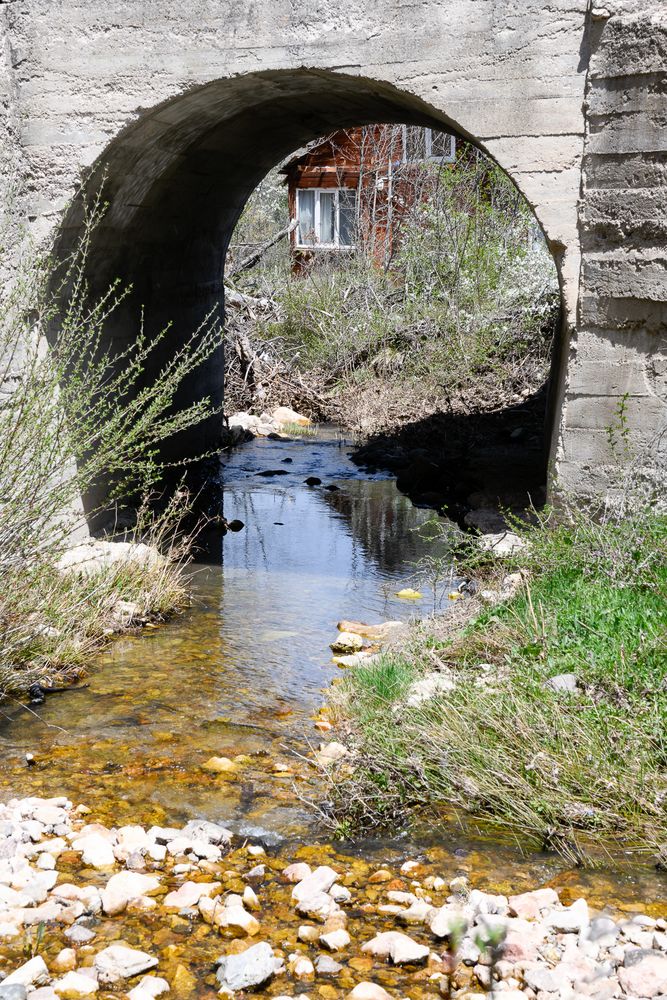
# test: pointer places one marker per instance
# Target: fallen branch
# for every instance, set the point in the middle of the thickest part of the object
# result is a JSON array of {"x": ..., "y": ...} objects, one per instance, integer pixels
[{"x": 254, "y": 258}]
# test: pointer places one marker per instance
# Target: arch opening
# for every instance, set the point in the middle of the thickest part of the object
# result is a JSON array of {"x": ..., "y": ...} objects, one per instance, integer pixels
[{"x": 176, "y": 182}]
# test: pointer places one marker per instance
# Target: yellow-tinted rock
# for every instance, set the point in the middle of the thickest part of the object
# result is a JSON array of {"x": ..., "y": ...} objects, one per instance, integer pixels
[
  {"x": 183, "y": 983},
  {"x": 219, "y": 765},
  {"x": 347, "y": 642}
]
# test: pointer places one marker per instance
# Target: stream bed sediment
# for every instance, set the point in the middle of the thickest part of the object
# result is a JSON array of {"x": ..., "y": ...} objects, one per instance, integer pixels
[{"x": 240, "y": 675}]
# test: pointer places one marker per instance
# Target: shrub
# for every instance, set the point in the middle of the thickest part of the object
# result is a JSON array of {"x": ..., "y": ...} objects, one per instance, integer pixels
[{"x": 73, "y": 414}]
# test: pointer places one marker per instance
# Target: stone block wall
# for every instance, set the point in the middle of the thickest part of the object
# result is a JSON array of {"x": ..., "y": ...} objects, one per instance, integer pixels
[{"x": 617, "y": 371}]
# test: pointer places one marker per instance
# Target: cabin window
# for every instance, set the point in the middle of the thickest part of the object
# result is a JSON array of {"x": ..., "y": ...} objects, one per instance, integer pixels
[
  {"x": 326, "y": 218},
  {"x": 422, "y": 144}
]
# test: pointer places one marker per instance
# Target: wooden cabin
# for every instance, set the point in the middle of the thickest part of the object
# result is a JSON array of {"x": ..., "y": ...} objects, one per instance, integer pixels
[{"x": 351, "y": 189}]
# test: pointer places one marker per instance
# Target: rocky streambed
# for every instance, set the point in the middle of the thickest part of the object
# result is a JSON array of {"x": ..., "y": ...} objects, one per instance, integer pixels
[
  {"x": 197, "y": 863},
  {"x": 88, "y": 909}
]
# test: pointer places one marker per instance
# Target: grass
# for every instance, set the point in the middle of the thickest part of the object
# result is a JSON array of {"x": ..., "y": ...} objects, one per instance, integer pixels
[
  {"x": 51, "y": 622},
  {"x": 575, "y": 771},
  {"x": 299, "y": 430}
]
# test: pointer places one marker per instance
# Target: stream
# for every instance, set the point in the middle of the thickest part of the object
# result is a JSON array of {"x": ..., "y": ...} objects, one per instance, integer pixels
[{"x": 242, "y": 672}]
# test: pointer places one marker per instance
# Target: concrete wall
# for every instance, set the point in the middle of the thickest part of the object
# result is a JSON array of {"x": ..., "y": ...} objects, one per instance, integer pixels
[{"x": 186, "y": 106}]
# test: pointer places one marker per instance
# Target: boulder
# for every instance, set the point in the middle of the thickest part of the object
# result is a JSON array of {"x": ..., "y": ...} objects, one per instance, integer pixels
[
  {"x": 118, "y": 962},
  {"x": 317, "y": 906},
  {"x": 251, "y": 968},
  {"x": 13, "y": 991},
  {"x": 335, "y": 940},
  {"x": 571, "y": 919},
  {"x": 331, "y": 753},
  {"x": 429, "y": 687},
  {"x": 285, "y": 415},
  {"x": 563, "y": 683},
  {"x": 327, "y": 966},
  {"x": 219, "y": 765},
  {"x": 376, "y": 633},
  {"x": 212, "y": 833},
  {"x": 89, "y": 558},
  {"x": 65, "y": 961},
  {"x": 501, "y": 543},
  {"x": 96, "y": 850},
  {"x": 298, "y": 871}
]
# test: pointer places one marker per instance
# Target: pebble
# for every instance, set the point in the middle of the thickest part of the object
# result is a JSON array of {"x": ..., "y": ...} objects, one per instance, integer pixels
[{"x": 335, "y": 940}]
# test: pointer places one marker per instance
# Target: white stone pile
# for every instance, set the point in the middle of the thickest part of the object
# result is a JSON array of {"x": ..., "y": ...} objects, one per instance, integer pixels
[{"x": 522, "y": 947}]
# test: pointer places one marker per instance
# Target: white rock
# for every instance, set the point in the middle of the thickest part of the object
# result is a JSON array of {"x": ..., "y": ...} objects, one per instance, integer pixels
[
  {"x": 32, "y": 973},
  {"x": 429, "y": 687},
  {"x": 250, "y": 898},
  {"x": 189, "y": 894},
  {"x": 340, "y": 893},
  {"x": 149, "y": 988},
  {"x": 571, "y": 919},
  {"x": 73, "y": 985},
  {"x": 251, "y": 968},
  {"x": 420, "y": 912},
  {"x": 400, "y": 948},
  {"x": 118, "y": 962},
  {"x": 320, "y": 880},
  {"x": 123, "y": 887},
  {"x": 96, "y": 851},
  {"x": 369, "y": 991},
  {"x": 335, "y": 940},
  {"x": 301, "y": 967},
  {"x": 297, "y": 872},
  {"x": 319, "y": 906},
  {"x": 446, "y": 919}
]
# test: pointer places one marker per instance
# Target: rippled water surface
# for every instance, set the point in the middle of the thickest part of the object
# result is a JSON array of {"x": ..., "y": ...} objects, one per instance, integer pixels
[{"x": 242, "y": 673}]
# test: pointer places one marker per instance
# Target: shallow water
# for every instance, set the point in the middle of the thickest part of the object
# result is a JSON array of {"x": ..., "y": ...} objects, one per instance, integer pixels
[{"x": 242, "y": 673}]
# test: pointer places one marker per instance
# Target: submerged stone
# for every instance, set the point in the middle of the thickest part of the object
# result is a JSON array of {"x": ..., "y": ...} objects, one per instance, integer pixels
[{"x": 252, "y": 967}]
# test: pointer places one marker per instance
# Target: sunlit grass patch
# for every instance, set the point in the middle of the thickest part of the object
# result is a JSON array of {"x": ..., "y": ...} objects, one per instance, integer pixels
[{"x": 570, "y": 769}]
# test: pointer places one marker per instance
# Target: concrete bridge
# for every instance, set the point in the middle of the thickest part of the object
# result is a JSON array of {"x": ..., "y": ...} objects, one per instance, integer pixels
[{"x": 185, "y": 106}]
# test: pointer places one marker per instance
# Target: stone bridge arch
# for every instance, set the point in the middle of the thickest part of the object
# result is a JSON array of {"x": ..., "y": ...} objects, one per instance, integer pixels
[{"x": 185, "y": 107}]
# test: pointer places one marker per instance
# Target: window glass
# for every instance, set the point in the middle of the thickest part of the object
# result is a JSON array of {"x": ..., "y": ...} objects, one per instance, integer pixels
[
  {"x": 327, "y": 216},
  {"x": 414, "y": 144},
  {"x": 306, "y": 216},
  {"x": 442, "y": 145},
  {"x": 347, "y": 212}
]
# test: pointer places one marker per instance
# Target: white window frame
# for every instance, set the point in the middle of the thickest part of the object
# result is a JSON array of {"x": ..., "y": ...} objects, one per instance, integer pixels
[
  {"x": 428, "y": 148},
  {"x": 317, "y": 227}
]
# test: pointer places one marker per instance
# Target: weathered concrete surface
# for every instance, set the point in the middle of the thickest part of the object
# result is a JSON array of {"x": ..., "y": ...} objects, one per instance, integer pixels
[{"x": 187, "y": 105}]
